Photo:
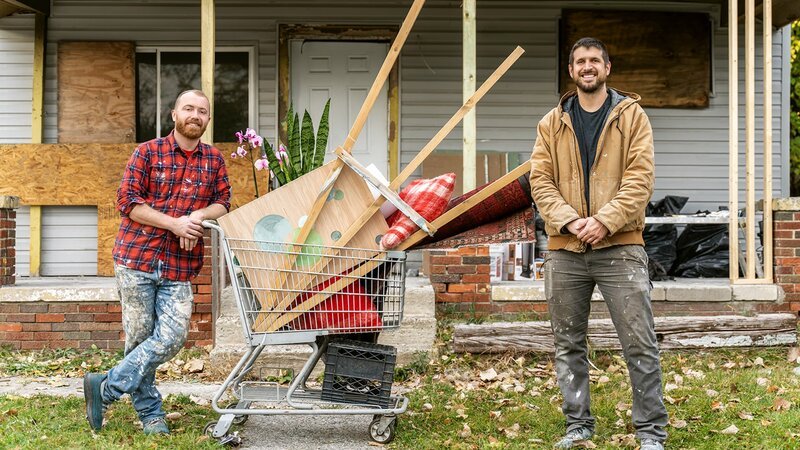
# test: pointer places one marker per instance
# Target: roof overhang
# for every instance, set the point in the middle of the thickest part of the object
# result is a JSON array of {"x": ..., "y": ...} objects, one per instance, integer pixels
[{"x": 8, "y": 7}]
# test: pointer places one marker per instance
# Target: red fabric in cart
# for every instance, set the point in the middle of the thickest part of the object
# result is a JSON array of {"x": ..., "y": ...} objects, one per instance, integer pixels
[
  {"x": 349, "y": 310},
  {"x": 428, "y": 198}
]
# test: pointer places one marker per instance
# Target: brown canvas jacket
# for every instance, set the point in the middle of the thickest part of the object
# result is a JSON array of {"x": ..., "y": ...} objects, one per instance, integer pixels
[{"x": 621, "y": 180}]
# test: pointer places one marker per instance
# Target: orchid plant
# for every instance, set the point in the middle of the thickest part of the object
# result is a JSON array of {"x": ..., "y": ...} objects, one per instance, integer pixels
[{"x": 304, "y": 153}]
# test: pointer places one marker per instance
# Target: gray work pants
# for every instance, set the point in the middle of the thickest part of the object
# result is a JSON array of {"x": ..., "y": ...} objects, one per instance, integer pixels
[{"x": 620, "y": 273}]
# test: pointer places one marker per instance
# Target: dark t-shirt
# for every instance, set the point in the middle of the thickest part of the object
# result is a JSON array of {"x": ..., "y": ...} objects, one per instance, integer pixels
[{"x": 588, "y": 126}]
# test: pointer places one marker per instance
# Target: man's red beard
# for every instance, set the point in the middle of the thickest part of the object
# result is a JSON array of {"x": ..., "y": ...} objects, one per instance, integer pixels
[{"x": 190, "y": 132}]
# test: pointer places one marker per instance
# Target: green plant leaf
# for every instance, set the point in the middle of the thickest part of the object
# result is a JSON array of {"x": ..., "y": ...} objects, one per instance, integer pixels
[
  {"x": 322, "y": 137},
  {"x": 307, "y": 143},
  {"x": 294, "y": 147},
  {"x": 274, "y": 164}
]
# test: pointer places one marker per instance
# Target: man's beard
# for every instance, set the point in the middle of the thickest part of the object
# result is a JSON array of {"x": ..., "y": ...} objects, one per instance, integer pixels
[
  {"x": 599, "y": 81},
  {"x": 190, "y": 132}
]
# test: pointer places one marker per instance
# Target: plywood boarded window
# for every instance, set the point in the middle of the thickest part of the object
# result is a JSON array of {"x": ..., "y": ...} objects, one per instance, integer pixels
[
  {"x": 96, "y": 92},
  {"x": 663, "y": 56}
]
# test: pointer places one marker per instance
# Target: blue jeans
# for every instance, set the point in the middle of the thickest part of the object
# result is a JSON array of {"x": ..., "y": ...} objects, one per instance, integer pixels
[
  {"x": 155, "y": 317},
  {"x": 620, "y": 273}
]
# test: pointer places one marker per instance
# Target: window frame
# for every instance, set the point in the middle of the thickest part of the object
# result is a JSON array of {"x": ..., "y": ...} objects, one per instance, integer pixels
[{"x": 252, "y": 75}]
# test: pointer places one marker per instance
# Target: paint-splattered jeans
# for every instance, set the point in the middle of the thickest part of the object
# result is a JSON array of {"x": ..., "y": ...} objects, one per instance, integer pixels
[
  {"x": 620, "y": 273},
  {"x": 155, "y": 317}
]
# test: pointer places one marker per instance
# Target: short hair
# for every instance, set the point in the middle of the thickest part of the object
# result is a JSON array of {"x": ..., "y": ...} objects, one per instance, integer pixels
[
  {"x": 197, "y": 92},
  {"x": 589, "y": 42}
]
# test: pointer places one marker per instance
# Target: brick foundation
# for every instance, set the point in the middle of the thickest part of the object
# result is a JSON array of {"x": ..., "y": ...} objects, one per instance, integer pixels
[
  {"x": 8, "y": 225},
  {"x": 786, "y": 238},
  {"x": 461, "y": 276},
  {"x": 81, "y": 324}
]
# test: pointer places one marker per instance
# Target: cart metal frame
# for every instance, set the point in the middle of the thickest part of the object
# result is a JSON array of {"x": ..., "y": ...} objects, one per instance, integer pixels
[{"x": 297, "y": 398}]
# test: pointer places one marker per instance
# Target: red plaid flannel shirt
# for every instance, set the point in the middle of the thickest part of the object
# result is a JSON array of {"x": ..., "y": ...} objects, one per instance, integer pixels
[{"x": 174, "y": 182}]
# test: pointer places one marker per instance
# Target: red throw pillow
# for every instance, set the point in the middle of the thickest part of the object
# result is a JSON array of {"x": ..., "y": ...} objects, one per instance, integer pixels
[
  {"x": 348, "y": 311},
  {"x": 428, "y": 198}
]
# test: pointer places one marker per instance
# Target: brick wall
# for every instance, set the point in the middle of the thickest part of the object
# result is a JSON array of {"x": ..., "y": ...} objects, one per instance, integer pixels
[
  {"x": 461, "y": 277},
  {"x": 8, "y": 224},
  {"x": 786, "y": 237},
  {"x": 38, "y": 325}
]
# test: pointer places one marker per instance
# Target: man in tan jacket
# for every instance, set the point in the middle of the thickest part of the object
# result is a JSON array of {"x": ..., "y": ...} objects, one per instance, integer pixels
[{"x": 591, "y": 178}]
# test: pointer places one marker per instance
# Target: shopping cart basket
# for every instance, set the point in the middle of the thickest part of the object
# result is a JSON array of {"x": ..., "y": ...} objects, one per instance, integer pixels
[{"x": 312, "y": 294}]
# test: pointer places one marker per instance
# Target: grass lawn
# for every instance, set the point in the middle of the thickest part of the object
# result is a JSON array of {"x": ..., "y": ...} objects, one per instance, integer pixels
[{"x": 734, "y": 398}]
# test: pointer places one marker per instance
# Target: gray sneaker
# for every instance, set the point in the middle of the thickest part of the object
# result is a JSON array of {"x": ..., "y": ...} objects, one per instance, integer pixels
[
  {"x": 651, "y": 444},
  {"x": 576, "y": 435}
]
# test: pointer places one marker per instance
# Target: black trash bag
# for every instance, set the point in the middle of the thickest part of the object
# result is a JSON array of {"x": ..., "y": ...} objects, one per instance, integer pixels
[
  {"x": 660, "y": 239},
  {"x": 702, "y": 252}
]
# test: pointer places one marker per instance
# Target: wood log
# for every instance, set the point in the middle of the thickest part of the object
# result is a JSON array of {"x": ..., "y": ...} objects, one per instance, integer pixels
[{"x": 672, "y": 332}]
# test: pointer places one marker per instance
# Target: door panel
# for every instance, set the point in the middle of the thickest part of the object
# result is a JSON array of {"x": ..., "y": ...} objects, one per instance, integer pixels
[{"x": 343, "y": 72}]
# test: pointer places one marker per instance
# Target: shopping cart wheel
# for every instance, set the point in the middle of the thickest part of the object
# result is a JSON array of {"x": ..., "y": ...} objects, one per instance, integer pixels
[
  {"x": 229, "y": 440},
  {"x": 388, "y": 433},
  {"x": 240, "y": 419}
]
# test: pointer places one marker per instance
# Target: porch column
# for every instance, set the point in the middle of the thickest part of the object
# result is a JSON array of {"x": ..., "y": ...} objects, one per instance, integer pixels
[
  {"x": 37, "y": 133},
  {"x": 469, "y": 124},
  {"x": 208, "y": 43}
]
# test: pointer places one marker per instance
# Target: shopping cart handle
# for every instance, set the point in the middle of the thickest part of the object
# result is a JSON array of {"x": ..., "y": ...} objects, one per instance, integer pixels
[{"x": 212, "y": 224}]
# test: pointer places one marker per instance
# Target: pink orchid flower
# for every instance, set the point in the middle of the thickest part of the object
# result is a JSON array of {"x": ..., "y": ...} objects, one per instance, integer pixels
[
  {"x": 282, "y": 154},
  {"x": 241, "y": 152},
  {"x": 257, "y": 141},
  {"x": 239, "y": 137},
  {"x": 261, "y": 163}
]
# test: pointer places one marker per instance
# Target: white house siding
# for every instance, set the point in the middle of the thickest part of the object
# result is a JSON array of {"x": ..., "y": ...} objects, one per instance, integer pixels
[
  {"x": 691, "y": 145},
  {"x": 16, "y": 78}
]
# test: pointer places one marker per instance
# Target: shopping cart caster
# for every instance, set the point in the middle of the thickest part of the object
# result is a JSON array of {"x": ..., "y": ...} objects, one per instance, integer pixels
[
  {"x": 381, "y": 429},
  {"x": 230, "y": 440},
  {"x": 240, "y": 419}
]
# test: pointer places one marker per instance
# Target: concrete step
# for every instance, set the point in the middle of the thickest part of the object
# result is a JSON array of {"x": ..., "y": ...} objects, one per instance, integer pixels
[{"x": 416, "y": 333}]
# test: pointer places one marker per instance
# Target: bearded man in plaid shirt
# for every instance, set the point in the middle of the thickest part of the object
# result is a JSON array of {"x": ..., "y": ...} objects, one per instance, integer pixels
[{"x": 170, "y": 186}]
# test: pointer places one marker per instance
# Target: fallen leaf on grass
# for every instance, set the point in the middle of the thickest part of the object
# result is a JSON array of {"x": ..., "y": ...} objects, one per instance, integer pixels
[
  {"x": 759, "y": 361},
  {"x": 194, "y": 366},
  {"x": 765, "y": 423},
  {"x": 744, "y": 415},
  {"x": 623, "y": 440},
  {"x": 781, "y": 404},
  {"x": 495, "y": 414},
  {"x": 677, "y": 423},
  {"x": 584, "y": 444},
  {"x": 488, "y": 375},
  {"x": 733, "y": 429},
  {"x": 427, "y": 407},
  {"x": 762, "y": 381},
  {"x": 670, "y": 387},
  {"x": 729, "y": 365},
  {"x": 174, "y": 416},
  {"x": 603, "y": 379},
  {"x": 622, "y": 406},
  {"x": 465, "y": 432},
  {"x": 793, "y": 355},
  {"x": 512, "y": 431},
  {"x": 717, "y": 406},
  {"x": 711, "y": 393}
]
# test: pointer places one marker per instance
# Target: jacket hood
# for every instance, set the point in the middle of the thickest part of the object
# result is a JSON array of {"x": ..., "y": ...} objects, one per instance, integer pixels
[{"x": 568, "y": 100}]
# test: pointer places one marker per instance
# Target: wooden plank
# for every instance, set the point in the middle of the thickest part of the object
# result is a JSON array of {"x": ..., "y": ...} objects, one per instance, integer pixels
[
  {"x": 470, "y": 126},
  {"x": 733, "y": 137},
  {"x": 35, "y": 240},
  {"x": 767, "y": 84},
  {"x": 674, "y": 333},
  {"x": 96, "y": 96},
  {"x": 280, "y": 213},
  {"x": 358, "y": 123},
  {"x": 750, "y": 140},
  {"x": 208, "y": 41},
  {"x": 37, "y": 110},
  {"x": 668, "y": 65}
]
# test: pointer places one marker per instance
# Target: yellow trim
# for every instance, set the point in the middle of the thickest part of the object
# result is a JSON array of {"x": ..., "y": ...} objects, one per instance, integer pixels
[
  {"x": 208, "y": 43},
  {"x": 37, "y": 116},
  {"x": 36, "y": 240}
]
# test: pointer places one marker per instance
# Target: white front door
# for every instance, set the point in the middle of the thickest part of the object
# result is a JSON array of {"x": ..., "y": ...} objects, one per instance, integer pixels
[{"x": 343, "y": 72}]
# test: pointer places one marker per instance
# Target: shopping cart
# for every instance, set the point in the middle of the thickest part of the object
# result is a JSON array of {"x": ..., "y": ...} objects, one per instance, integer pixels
[{"x": 315, "y": 295}]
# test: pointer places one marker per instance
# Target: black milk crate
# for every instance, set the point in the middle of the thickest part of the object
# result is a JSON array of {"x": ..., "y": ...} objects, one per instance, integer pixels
[{"x": 359, "y": 372}]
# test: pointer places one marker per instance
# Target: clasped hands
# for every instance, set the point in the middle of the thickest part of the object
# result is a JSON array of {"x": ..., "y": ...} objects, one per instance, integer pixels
[
  {"x": 589, "y": 230},
  {"x": 189, "y": 229}
]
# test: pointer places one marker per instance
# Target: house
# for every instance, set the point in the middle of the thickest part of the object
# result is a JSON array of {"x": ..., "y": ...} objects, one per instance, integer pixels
[{"x": 81, "y": 82}]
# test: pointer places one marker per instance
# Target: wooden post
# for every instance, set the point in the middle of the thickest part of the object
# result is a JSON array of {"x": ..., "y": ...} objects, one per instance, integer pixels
[
  {"x": 733, "y": 139},
  {"x": 750, "y": 143},
  {"x": 37, "y": 134},
  {"x": 767, "y": 225},
  {"x": 208, "y": 43},
  {"x": 469, "y": 75}
]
